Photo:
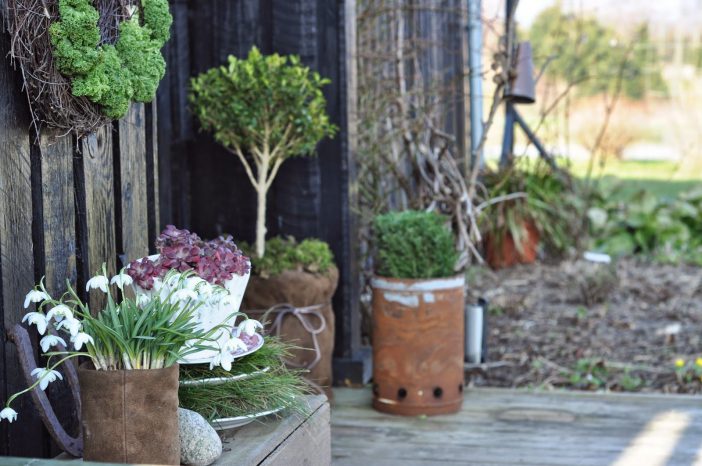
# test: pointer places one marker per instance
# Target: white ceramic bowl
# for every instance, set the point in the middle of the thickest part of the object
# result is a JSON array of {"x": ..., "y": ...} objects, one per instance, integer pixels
[{"x": 210, "y": 316}]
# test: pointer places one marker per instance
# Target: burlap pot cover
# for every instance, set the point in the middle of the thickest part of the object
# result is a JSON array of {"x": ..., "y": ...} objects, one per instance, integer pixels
[
  {"x": 299, "y": 289},
  {"x": 130, "y": 416}
]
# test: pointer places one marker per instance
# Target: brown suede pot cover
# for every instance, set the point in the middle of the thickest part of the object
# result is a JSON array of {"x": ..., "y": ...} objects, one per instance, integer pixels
[
  {"x": 130, "y": 416},
  {"x": 299, "y": 289}
]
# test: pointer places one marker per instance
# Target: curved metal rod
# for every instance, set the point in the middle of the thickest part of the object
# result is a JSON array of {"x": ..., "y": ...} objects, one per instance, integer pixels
[{"x": 71, "y": 445}]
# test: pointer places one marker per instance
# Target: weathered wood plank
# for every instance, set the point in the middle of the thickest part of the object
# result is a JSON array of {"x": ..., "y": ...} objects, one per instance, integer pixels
[
  {"x": 309, "y": 444},
  {"x": 265, "y": 443},
  {"x": 96, "y": 208},
  {"x": 508, "y": 427},
  {"x": 55, "y": 240},
  {"x": 152, "y": 168},
  {"x": 24, "y": 437},
  {"x": 133, "y": 215}
]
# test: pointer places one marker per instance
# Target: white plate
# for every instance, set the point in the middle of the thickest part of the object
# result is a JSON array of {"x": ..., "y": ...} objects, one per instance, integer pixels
[
  {"x": 236, "y": 356},
  {"x": 220, "y": 380},
  {"x": 226, "y": 423}
]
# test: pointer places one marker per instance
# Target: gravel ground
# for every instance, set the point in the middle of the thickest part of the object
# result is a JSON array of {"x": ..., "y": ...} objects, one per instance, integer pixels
[{"x": 633, "y": 326}]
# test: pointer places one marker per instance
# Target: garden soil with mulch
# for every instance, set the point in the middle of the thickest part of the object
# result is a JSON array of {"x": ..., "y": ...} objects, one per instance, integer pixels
[{"x": 586, "y": 326}]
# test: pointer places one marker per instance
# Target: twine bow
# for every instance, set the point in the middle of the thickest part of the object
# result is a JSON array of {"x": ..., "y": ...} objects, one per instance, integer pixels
[{"x": 303, "y": 314}]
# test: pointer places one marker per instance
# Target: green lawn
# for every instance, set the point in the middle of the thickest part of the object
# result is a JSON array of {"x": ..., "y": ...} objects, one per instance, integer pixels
[{"x": 664, "y": 179}]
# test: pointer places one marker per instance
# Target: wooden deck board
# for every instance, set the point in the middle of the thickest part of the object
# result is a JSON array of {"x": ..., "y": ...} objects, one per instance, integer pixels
[{"x": 510, "y": 427}]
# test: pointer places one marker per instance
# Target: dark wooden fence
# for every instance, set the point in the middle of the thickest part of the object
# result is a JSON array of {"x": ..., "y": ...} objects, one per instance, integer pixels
[
  {"x": 207, "y": 189},
  {"x": 66, "y": 208}
]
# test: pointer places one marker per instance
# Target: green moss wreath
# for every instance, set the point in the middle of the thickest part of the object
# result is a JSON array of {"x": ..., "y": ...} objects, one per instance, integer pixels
[{"x": 112, "y": 75}]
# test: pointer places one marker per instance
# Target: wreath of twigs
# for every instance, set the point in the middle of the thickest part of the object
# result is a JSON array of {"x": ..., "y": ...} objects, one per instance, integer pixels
[{"x": 51, "y": 101}]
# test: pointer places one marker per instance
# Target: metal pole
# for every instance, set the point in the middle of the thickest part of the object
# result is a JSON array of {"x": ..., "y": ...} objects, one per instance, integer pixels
[
  {"x": 534, "y": 140},
  {"x": 475, "y": 49},
  {"x": 508, "y": 135}
]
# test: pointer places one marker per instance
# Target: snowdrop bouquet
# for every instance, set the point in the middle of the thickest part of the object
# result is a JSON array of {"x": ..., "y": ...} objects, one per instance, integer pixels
[{"x": 146, "y": 332}]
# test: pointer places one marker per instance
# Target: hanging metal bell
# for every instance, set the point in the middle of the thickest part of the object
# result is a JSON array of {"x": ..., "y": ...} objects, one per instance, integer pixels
[{"x": 522, "y": 89}]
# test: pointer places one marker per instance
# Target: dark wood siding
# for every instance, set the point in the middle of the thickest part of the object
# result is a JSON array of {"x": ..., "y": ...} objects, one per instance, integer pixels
[
  {"x": 66, "y": 207},
  {"x": 312, "y": 196}
]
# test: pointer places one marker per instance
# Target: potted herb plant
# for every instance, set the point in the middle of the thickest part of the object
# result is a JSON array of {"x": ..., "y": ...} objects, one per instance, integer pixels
[
  {"x": 129, "y": 384},
  {"x": 418, "y": 318},
  {"x": 539, "y": 206},
  {"x": 266, "y": 109},
  {"x": 216, "y": 262}
]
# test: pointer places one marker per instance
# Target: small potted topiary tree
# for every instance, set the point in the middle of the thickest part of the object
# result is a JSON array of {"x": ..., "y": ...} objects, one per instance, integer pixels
[
  {"x": 266, "y": 109},
  {"x": 418, "y": 318}
]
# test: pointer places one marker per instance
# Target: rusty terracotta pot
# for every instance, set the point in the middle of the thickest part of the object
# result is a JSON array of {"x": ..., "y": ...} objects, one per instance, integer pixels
[
  {"x": 418, "y": 328},
  {"x": 504, "y": 253}
]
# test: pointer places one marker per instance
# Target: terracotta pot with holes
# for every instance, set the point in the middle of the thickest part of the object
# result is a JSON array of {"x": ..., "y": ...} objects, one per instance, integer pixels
[{"x": 418, "y": 328}]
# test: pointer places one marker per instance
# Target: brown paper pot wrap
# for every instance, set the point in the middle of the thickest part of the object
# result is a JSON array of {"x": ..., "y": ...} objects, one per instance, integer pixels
[
  {"x": 300, "y": 289},
  {"x": 130, "y": 416},
  {"x": 418, "y": 345}
]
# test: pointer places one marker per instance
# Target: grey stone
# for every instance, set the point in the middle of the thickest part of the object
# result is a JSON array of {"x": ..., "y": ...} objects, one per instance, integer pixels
[{"x": 200, "y": 444}]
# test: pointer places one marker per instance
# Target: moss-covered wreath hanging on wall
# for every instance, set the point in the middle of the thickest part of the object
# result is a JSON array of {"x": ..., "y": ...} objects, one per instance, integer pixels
[{"x": 84, "y": 61}]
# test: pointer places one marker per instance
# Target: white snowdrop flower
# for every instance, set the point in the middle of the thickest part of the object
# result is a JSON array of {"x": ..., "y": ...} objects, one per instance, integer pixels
[
  {"x": 49, "y": 341},
  {"x": 59, "y": 312},
  {"x": 226, "y": 300},
  {"x": 98, "y": 282},
  {"x": 224, "y": 358},
  {"x": 131, "y": 9},
  {"x": 143, "y": 300},
  {"x": 234, "y": 344},
  {"x": 184, "y": 294},
  {"x": 46, "y": 376},
  {"x": 72, "y": 326},
  {"x": 38, "y": 319},
  {"x": 249, "y": 327},
  {"x": 9, "y": 414},
  {"x": 194, "y": 282},
  {"x": 121, "y": 280},
  {"x": 35, "y": 296},
  {"x": 80, "y": 339}
]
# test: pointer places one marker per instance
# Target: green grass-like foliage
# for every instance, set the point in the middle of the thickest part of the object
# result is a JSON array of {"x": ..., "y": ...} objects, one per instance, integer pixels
[
  {"x": 414, "y": 244},
  {"x": 310, "y": 255},
  {"x": 279, "y": 387},
  {"x": 111, "y": 75}
]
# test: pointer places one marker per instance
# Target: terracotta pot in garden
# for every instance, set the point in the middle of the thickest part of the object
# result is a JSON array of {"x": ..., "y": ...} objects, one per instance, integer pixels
[
  {"x": 503, "y": 252},
  {"x": 130, "y": 416},
  {"x": 418, "y": 327},
  {"x": 311, "y": 293}
]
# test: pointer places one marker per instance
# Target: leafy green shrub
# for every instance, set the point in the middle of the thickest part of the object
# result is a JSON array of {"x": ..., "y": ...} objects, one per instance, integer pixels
[
  {"x": 669, "y": 230},
  {"x": 414, "y": 244},
  {"x": 311, "y": 255},
  {"x": 267, "y": 107},
  {"x": 111, "y": 75},
  {"x": 553, "y": 202}
]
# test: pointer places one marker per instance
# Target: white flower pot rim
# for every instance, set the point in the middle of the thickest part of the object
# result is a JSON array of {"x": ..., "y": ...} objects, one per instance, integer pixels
[{"x": 420, "y": 284}]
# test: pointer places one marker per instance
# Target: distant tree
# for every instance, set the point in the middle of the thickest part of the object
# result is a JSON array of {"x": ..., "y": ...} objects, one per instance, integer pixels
[{"x": 592, "y": 56}]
